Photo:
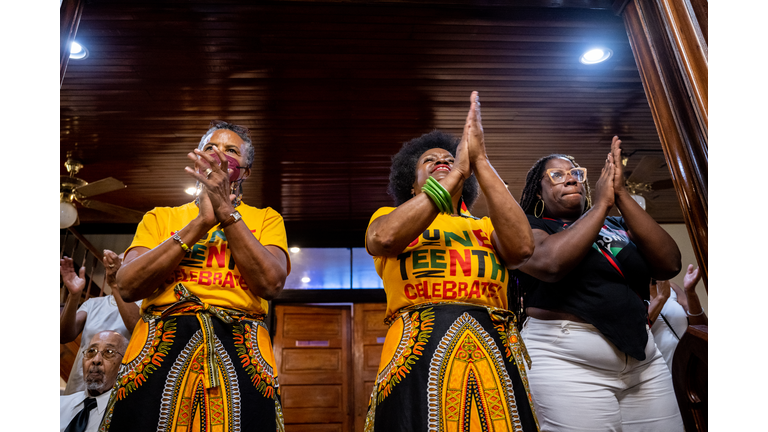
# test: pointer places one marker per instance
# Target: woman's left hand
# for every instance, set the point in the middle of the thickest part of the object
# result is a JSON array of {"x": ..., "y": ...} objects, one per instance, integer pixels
[
  {"x": 474, "y": 131},
  {"x": 216, "y": 186},
  {"x": 618, "y": 167}
]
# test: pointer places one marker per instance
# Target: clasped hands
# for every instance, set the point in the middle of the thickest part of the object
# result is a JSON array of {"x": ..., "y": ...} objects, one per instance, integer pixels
[
  {"x": 610, "y": 187},
  {"x": 471, "y": 149},
  {"x": 215, "y": 198}
]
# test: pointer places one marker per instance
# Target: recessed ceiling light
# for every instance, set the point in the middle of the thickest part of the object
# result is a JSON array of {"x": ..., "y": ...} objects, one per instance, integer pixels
[
  {"x": 305, "y": 279},
  {"x": 596, "y": 55},
  {"x": 295, "y": 250},
  {"x": 77, "y": 51}
]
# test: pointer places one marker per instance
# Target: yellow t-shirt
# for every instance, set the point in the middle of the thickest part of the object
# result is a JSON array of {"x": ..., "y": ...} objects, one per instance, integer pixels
[
  {"x": 208, "y": 269},
  {"x": 453, "y": 260}
]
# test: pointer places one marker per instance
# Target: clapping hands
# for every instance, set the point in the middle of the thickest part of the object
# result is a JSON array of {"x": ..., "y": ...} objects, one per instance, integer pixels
[{"x": 75, "y": 282}]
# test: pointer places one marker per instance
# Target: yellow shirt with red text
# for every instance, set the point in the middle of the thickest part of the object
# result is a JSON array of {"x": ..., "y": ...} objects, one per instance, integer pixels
[
  {"x": 453, "y": 260},
  {"x": 208, "y": 270}
]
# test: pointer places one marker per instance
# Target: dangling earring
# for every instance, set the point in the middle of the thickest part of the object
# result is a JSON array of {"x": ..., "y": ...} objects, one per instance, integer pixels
[{"x": 536, "y": 211}]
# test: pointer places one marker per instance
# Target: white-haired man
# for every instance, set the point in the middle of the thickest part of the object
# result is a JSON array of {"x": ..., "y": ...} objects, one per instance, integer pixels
[{"x": 82, "y": 411}]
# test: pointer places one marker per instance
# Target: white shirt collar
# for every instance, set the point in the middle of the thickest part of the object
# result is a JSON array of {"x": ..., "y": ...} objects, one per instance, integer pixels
[{"x": 101, "y": 401}]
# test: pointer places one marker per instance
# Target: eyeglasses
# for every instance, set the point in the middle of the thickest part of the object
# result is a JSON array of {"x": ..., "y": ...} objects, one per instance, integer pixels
[
  {"x": 108, "y": 353},
  {"x": 557, "y": 175},
  {"x": 221, "y": 124}
]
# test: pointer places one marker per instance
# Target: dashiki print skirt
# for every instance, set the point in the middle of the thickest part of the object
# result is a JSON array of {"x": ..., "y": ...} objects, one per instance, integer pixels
[
  {"x": 190, "y": 370},
  {"x": 452, "y": 367}
]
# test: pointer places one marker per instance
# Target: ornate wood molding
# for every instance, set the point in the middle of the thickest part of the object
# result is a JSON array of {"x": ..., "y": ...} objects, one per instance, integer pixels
[{"x": 671, "y": 57}]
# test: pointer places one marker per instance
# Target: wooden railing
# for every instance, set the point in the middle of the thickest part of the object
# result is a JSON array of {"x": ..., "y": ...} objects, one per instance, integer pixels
[
  {"x": 690, "y": 367},
  {"x": 83, "y": 253}
]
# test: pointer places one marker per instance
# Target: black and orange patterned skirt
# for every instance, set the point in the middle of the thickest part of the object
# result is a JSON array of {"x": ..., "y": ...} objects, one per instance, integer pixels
[
  {"x": 452, "y": 367},
  {"x": 192, "y": 371}
]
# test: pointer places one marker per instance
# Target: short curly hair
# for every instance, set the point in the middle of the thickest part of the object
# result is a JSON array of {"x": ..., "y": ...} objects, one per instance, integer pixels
[
  {"x": 529, "y": 198},
  {"x": 402, "y": 175},
  {"x": 248, "y": 150}
]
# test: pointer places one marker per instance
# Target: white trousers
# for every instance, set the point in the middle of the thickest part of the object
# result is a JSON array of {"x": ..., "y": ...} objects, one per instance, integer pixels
[{"x": 581, "y": 382}]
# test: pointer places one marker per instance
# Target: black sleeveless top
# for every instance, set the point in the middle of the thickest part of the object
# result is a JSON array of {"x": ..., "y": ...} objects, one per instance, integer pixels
[{"x": 607, "y": 289}]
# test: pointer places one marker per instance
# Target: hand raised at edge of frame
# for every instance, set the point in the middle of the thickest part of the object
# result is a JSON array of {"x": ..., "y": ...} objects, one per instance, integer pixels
[
  {"x": 74, "y": 282},
  {"x": 691, "y": 278}
]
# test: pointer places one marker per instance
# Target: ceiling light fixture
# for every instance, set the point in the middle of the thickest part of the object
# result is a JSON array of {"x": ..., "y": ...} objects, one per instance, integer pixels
[
  {"x": 639, "y": 199},
  {"x": 596, "y": 55},
  {"x": 77, "y": 51},
  {"x": 67, "y": 212},
  {"x": 67, "y": 209},
  {"x": 191, "y": 190},
  {"x": 295, "y": 250},
  {"x": 305, "y": 279}
]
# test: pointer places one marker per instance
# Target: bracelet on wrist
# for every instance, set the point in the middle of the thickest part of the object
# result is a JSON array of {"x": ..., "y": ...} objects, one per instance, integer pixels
[
  {"x": 178, "y": 239},
  {"x": 443, "y": 191},
  {"x": 439, "y": 195},
  {"x": 695, "y": 315},
  {"x": 434, "y": 198}
]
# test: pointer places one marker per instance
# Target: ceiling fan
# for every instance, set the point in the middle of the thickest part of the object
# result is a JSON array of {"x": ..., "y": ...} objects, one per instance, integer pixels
[
  {"x": 639, "y": 180},
  {"x": 73, "y": 189}
]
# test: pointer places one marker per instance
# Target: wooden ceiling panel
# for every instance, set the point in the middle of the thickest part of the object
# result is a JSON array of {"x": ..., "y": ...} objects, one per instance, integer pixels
[{"x": 330, "y": 90}]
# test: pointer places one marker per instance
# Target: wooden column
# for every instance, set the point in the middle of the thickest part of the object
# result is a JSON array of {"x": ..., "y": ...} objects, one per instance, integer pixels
[
  {"x": 670, "y": 48},
  {"x": 69, "y": 18}
]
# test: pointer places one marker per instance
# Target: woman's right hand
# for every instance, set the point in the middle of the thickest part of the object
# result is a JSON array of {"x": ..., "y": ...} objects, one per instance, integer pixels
[
  {"x": 74, "y": 282},
  {"x": 604, "y": 192},
  {"x": 206, "y": 215}
]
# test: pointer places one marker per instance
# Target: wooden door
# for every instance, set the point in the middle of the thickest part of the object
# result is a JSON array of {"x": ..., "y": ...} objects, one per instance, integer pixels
[
  {"x": 312, "y": 346},
  {"x": 369, "y": 334}
]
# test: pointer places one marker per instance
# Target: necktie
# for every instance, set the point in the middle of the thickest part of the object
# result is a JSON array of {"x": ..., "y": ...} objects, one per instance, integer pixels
[{"x": 79, "y": 423}]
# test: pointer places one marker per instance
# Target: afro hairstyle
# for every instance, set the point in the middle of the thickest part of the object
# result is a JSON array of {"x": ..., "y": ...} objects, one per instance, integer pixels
[{"x": 402, "y": 175}]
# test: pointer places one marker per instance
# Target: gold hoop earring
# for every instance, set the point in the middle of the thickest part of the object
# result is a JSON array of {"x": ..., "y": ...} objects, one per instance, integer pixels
[{"x": 536, "y": 211}]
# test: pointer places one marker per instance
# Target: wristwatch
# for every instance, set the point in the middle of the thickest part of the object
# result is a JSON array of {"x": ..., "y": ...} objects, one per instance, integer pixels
[{"x": 234, "y": 217}]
